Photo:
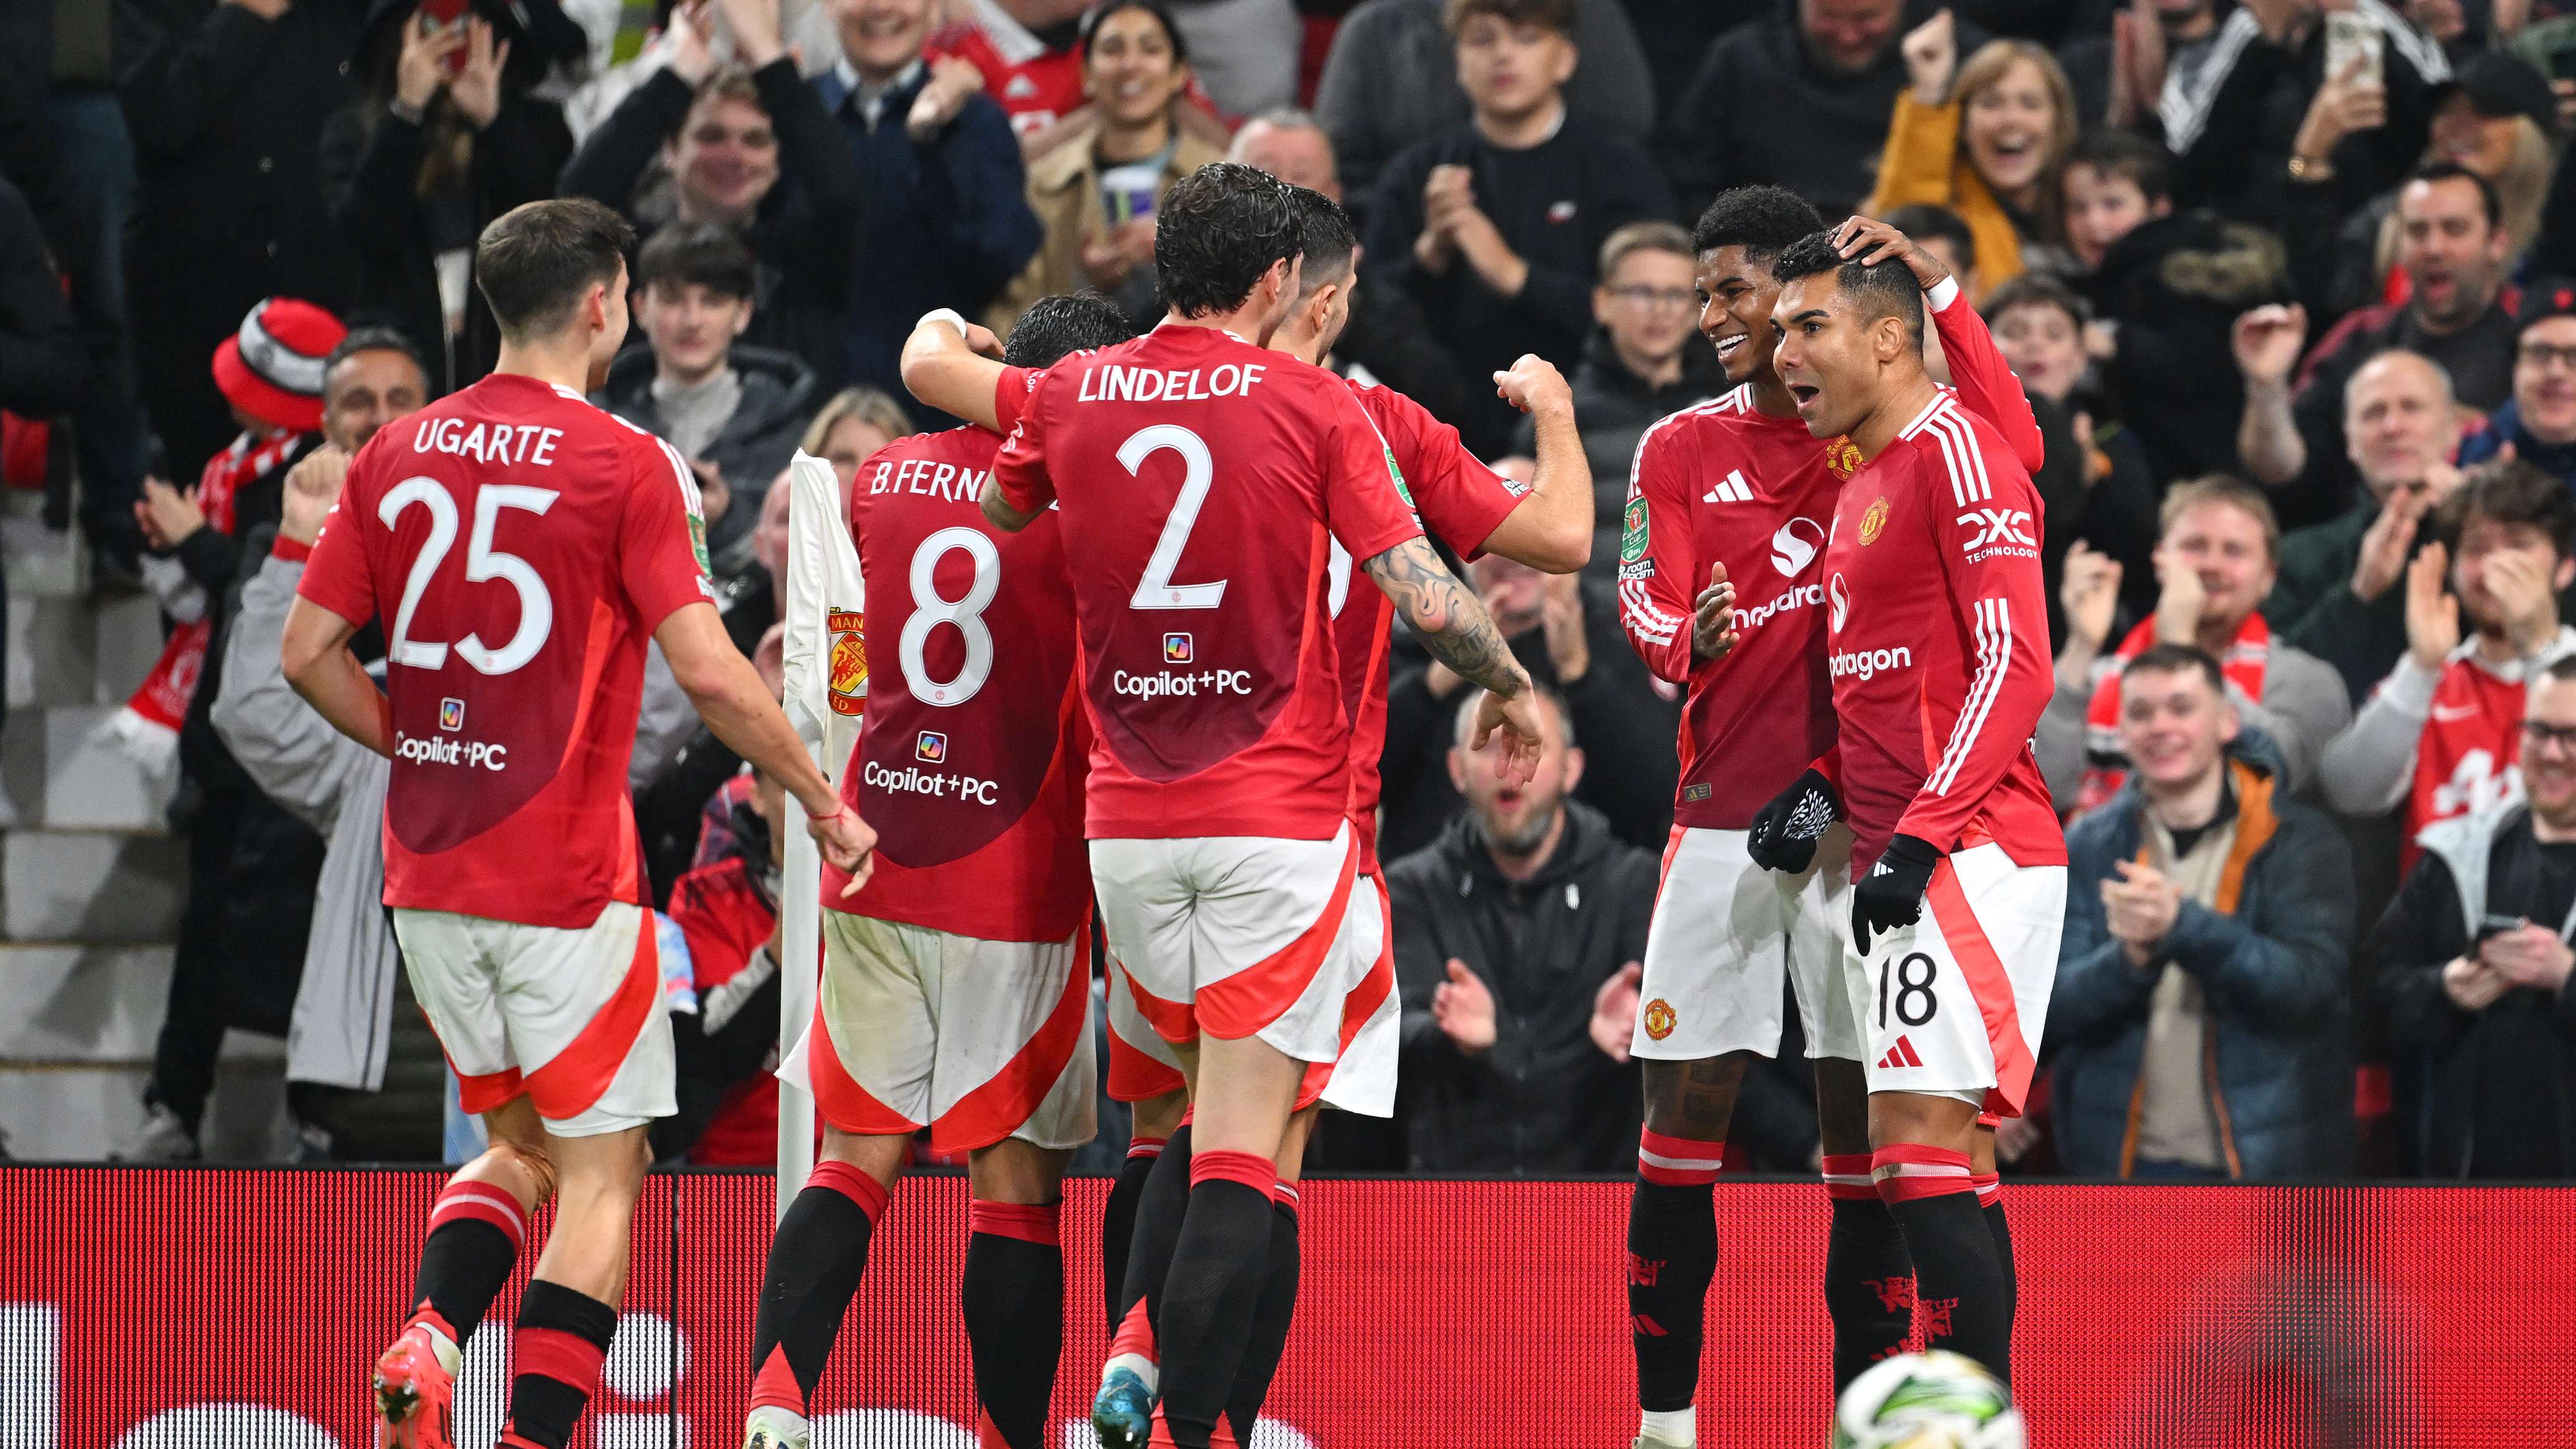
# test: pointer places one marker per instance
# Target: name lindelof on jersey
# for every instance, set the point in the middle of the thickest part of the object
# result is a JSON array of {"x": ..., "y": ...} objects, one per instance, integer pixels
[{"x": 1118, "y": 382}]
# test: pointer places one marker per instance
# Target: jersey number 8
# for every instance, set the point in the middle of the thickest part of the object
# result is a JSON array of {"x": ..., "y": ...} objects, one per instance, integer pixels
[
  {"x": 483, "y": 562},
  {"x": 929, "y": 611}
]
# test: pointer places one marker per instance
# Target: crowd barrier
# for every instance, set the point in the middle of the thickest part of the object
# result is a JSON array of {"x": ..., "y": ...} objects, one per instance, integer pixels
[{"x": 180, "y": 1307}]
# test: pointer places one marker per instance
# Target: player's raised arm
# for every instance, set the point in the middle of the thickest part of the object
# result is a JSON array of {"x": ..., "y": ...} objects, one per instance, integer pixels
[
  {"x": 1453, "y": 625},
  {"x": 1986, "y": 382},
  {"x": 1018, "y": 489},
  {"x": 953, "y": 365},
  {"x": 1551, "y": 529}
]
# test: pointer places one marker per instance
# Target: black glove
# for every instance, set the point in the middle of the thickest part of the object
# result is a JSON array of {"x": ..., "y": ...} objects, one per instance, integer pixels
[
  {"x": 1891, "y": 895},
  {"x": 1785, "y": 832}
]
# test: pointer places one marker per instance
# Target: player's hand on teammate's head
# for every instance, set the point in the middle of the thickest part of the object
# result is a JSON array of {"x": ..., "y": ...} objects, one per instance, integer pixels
[
  {"x": 1871, "y": 241},
  {"x": 1516, "y": 722},
  {"x": 1534, "y": 385},
  {"x": 847, "y": 843},
  {"x": 312, "y": 487}
]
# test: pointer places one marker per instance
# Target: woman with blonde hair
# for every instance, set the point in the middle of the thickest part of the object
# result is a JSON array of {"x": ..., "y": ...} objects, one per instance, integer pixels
[
  {"x": 1985, "y": 139},
  {"x": 853, "y": 425}
]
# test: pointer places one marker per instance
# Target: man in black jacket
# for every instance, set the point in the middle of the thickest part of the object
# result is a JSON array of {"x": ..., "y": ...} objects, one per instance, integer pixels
[{"x": 1517, "y": 941}]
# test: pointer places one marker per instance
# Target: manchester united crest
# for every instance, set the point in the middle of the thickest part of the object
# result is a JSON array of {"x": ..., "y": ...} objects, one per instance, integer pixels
[
  {"x": 1873, "y": 521},
  {"x": 1842, "y": 455},
  {"x": 1658, "y": 1019},
  {"x": 849, "y": 661}
]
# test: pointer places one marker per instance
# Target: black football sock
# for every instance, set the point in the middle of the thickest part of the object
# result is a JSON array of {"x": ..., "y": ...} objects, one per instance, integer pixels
[
  {"x": 1990, "y": 1197},
  {"x": 1869, "y": 1281},
  {"x": 1160, "y": 1206},
  {"x": 475, "y": 1232},
  {"x": 1218, "y": 1267},
  {"x": 1958, "y": 1286},
  {"x": 1271, "y": 1315},
  {"x": 813, "y": 1272},
  {"x": 562, "y": 1340},
  {"x": 1118, "y": 1220},
  {"x": 1013, "y": 1295},
  {"x": 1672, "y": 1255}
]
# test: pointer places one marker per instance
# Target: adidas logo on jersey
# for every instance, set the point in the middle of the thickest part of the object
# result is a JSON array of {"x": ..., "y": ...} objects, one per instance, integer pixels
[
  {"x": 1900, "y": 1055},
  {"x": 1730, "y": 489}
]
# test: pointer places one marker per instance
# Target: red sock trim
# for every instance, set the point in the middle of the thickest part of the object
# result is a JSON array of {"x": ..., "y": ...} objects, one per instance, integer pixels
[
  {"x": 1847, "y": 1177},
  {"x": 1249, "y": 1168},
  {"x": 1135, "y": 1335},
  {"x": 1285, "y": 1194},
  {"x": 1028, "y": 1222},
  {"x": 481, "y": 1202},
  {"x": 1678, "y": 1161},
  {"x": 1989, "y": 1187},
  {"x": 1908, "y": 1171},
  {"x": 775, "y": 1386},
  {"x": 1144, "y": 1147},
  {"x": 857, "y": 1186},
  {"x": 552, "y": 1353}
]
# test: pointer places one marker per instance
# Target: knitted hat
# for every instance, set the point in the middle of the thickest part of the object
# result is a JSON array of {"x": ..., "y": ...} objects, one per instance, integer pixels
[{"x": 272, "y": 368}]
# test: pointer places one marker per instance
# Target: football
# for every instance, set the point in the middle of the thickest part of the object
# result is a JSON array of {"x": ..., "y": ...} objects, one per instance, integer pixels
[{"x": 1927, "y": 1401}]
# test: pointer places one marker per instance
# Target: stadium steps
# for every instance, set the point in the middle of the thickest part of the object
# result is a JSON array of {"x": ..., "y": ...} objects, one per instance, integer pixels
[{"x": 91, "y": 881}]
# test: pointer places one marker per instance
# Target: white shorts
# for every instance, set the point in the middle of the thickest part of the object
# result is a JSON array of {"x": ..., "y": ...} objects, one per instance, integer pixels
[
  {"x": 1724, "y": 933},
  {"x": 1239, "y": 936},
  {"x": 574, "y": 1019},
  {"x": 1954, "y": 1005},
  {"x": 975, "y": 1040}
]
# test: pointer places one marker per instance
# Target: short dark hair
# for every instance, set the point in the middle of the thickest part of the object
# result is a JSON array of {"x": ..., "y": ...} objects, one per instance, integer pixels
[
  {"x": 2515, "y": 492},
  {"x": 1055, "y": 328},
  {"x": 1327, "y": 239},
  {"x": 1556, "y": 15},
  {"x": 2180, "y": 659},
  {"x": 2036, "y": 289},
  {"x": 536, "y": 261},
  {"x": 1221, "y": 227},
  {"x": 1924, "y": 221},
  {"x": 1761, "y": 219},
  {"x": 2562, "y": 669},
  {"x": 1091, "y": 22},
  {"x": 371, "y": 339},
  {"x": 1887, "y": 289},
  {"x": 2488, "y": 200},
  {"x": 705, "y": 255},
  {"x": 2125, "y": 154}
]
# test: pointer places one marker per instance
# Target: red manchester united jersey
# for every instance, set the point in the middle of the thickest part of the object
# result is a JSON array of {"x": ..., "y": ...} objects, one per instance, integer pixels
[
  {"x": 1723, "y": 483},
  {"x": 1938, "y": 643},
  {"x": 521, "y": 546},
  {"x": 1035, "y": 86},
  {"x": 970, "y": 766},
  {"x": 1202, "y": 483}
]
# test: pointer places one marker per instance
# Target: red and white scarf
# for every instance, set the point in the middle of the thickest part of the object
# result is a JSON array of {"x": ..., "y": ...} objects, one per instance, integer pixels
[{"x": 2106, "y": 764}]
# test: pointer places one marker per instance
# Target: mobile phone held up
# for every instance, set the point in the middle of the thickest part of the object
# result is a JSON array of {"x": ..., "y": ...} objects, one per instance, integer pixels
[
  {"x": 2351, "y": 37},
  {"x": 446, "y": 14},
  {"x": 2495, "y": 925}
]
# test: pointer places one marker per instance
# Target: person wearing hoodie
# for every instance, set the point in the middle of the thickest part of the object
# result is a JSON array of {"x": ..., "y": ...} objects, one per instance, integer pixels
[
  {"x": 1646, "y": 361},
  {"x": 1518, "y": 937},
  {"x": 2200, "y": 1025},
  {"x": 735, "y": 412},
  {"x": 2539, "y": 422}
]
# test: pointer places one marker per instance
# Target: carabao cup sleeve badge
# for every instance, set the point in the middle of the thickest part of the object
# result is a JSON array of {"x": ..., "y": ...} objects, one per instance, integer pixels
[{"x": 849, "y": 661}]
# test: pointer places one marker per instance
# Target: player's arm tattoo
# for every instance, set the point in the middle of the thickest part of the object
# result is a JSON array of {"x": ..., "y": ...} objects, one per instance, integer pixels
[{"x": 1446, "y": 615}]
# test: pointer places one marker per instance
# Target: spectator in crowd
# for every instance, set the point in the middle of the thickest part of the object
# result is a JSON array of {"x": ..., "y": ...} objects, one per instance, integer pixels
[
  {"x": 852, "y": 426},
  {"x": 737, "y": 412},
  {"x": 2200, "y": 1026},
  {"x": 1097, "y": 191},
  {"x": 1564, "y": 628},
  {"x": 1247, "y": 51},
  {"x": 2337, "y": 594},
  {"x": 1390, "y": 82},
  {"x": 747, "y": 147},
  {"x": 225, "y": 100},
  {"x": 2113, "y": 182},
  {"x": 1646, "y": 361},
  {"x": 2452, "y": 248},
  {"x": 1025, "y": 57},
  {"x": 2040, "y": 326},
  {"x": 948, "y": 220},
  {"x": 1387, "y": 337},
  {"x": 2261, "y": 116},
  {"x": 2438, "y": 736},
  {"x": 44, "y": 360},
  {"x": 1496, "y": 227},
  {"x": 2472, "y": 958},
  {"x": 727, "y": 1049},
  {"x": 353, "y": 1037},
  {"x": 2538, "y": 423},
  {"x": 1798, "y": 98},
  {"x": 445, "y": 138},
  {"x": 1985, "y": 140},
  {"x": 1518, "y": 934},
  {"x": 2215, "y": 560}
]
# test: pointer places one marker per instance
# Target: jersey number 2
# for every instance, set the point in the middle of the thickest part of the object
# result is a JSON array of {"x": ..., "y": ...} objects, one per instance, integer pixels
[
  {"x": 483, "y": 562},
  {"x": 1156, "y": 590}
]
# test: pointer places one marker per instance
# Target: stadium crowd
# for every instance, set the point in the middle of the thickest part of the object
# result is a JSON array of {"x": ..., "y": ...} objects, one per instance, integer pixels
[{"x": 2291, "y": 285}]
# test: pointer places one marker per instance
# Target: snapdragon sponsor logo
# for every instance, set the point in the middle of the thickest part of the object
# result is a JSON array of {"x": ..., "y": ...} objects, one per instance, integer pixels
[
  {"x": 937, "y": 784},
  {"x": 1796, "y": 596},
  {"x": 440, "y": 750},
  {"x": 1865, "y": 663}
]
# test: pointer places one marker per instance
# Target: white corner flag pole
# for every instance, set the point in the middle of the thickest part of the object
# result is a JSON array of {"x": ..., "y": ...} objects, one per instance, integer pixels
[{"x": 825, "y": 691}]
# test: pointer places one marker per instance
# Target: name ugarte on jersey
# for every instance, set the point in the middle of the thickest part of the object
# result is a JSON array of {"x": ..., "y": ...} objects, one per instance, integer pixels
[
  {"x": 928, "y": 478},
  {"x": 487, "y": 442},
  {"x": 1119, "y": 382}
]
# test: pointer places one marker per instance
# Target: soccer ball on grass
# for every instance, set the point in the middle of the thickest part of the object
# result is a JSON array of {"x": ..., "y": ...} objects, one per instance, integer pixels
[{"x": 1932, "y": 1400}]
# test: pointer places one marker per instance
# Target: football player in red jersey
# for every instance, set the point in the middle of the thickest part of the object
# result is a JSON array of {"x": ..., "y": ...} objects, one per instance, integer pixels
[
  {"x": 1218, "y": 813},
  {"x": 1937, "y": 642},
  {"x": 1721, "y": 591},
  {"x": 957, "y": 982},
  {"x": 523, "y": 546}
]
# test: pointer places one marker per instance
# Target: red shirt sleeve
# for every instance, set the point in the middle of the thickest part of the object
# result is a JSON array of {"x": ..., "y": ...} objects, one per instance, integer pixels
[
  {"x": 1020, "y": 468},
  {"x": 1364, "y": 502},
  {"x": 1988, "y": 552},
  {"x": 1460, "y": 499},
  {"x": 661, "y": 540},
  {"x": 1985, "y": 381},
  {"x": 1011, "y": 393},
  {"x": 1659, "y": 574},
  {"x": 338, "y": 576}
]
